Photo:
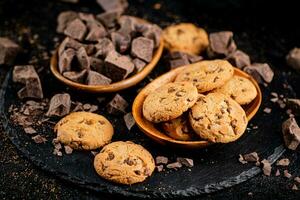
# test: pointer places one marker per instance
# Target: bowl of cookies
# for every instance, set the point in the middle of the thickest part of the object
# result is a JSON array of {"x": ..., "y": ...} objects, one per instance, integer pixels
[
  {"x": 105, "y": 58},
  {"x": 197, "y": 105}
]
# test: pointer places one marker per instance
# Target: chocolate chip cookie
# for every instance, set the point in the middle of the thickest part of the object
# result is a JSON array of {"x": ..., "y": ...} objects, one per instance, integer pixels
[
  {"x": 124, "y": 162},
  {"x": 207, "y": 75},
  {"x": 218, "y": 118},
  {"x": 239, "y": 89},
  {"x": 84, "y": 130},
  {"x": 169, "y": 101}
]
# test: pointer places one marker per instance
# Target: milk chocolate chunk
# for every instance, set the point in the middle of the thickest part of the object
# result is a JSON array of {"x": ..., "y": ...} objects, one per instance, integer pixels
[
  {"x": 95, "y": 31},
  {"x": 103, "y": 47},
  {"x": 27, "y": 75},
  {"x": 109, "y": 18},
  {"x": 76, "y": 29},
  {"x": 221, "y": 44},
  {"x": 78, "y": 77},
  {"x": 129, "y": 120},
  {"x": 142, "y": 48},
  {"x": 154, "y": 33},
  {"x": 60, "y": 105},
  {"x": 63, "y": 19},
  {"x": 94, "y": 78},
  {"x": 239, "y": 59},
  {"x": 109, "y": 5},
  {"x": 65, "y": 60},
  {"x": 8, "y": 51},
  {"x": 82, "y": 58},
  {"x": 117, "y": 66},
  {"x": 97, "y": 64},
  {"x": 117, "y": 105},
  {"x": 260, "y": 72},
  {"x": 121, "y": 42},
  {"x": 294, "y": 105},
  {"x": 293, "y": 59},
  {"x": 139, "y": 64},
  {"x": 291, "y": 133}
]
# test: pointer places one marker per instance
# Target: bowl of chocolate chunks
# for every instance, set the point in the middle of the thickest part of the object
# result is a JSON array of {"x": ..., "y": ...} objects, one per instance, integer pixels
[{"x": 102, "y": 54}]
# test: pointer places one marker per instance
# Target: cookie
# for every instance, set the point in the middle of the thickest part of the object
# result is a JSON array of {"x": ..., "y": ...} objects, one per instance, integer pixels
[
  {"x": 240, "y": 89},
  {"x": 179, "y": 128},
  {"x": 169, "y": 101},
  {"x": 207, "y": 75},
  {"x": 218, "y": 118},
  {"x": 124, "y": 162},
  {"x": 84, "y": 130},
  {"x": 185, "y": 37}
]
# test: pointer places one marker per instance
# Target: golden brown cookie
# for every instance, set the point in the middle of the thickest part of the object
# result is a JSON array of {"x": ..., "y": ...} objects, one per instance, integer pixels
[
  {"x": 207, "y": 75},
  {"x": 169, "y": 101},
  {"x": 185, "y": 37},
  {"x": 179, "y": 128},
  {"x": 124, "y": 162},
  {"x": 240, "y": 89},
  {"x": 218, "y": 118},
  {"x": 84, "y": 130}
]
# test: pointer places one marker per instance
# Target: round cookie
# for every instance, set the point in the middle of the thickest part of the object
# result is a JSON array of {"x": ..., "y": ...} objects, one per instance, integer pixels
[
  {"x": 84, "y": 130},
  {"x": 169, "y": 101},
  {"x": 124, "y": 162},
  {"x": 185, "y": 37},
  {"x": 240, "y": 89},
  {"x": 218, "y": 118},
  {"x": 207, "y": 75},
  {"x": 178, "y": 128}
]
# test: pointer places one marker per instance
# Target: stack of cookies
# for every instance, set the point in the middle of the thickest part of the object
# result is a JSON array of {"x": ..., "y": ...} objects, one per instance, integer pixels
[{"x": 203, "y": 103}]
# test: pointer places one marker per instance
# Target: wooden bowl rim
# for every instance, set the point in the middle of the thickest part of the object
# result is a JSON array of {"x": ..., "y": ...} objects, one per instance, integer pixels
[{"x": 140, "y": 120}]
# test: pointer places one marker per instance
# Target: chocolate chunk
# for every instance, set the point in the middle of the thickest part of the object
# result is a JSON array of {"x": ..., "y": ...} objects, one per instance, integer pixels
[
  {"x": 161, "y": 160},
  {"x": 94, "y": 78},
  {"x": 287, "y": 174},
  {"x": 8, "y": 51},
  {"x": 179, "y": 62},
  {"x": 174, "y": 165},
  {"x": 60, "y": 105},
  {"x": 109, "y": 5},
  {"x": 117, "y": 66},
  {"x": 177, "y": 55},
  {"x": 96, "y": 31},
  {"x": 260, "y": 72},
  {"x": 141, "y": 26},
  {"x": 142, "y": 48},
  {"x": 139, "y": 64},
  {"x": 117, "y": 105},
  {"x": 83, "y": 58},
  {"x": 68, "y": 43},
  {"x": 186, "y": 161},
  {"x": 154, "y": 33},
  {"x": 291, "y": 133},
  {"x": 121, "y": 42},
  {"x": 242, "y": 160},
  {"x": 68, "y": 149},
  {"x": 65, "y": 60},
  {"x": 103, "y": 47},
  {"x": 29, "y": 130},
  {"x": 109, "y": 18},
  {"x": 266, "y": 167},
  {"x": 97, "y": 64},
  {"x": 239, "y": 59},
  {"x": 293, "y": 59},
  {"x": 251, "y": 157},
  {"x": 78, "y": 77},
  {"x": 160, "y": 168},
  {"x": 63, "y": 19},
  {"x": 127, "y": 25},
  {"x": 129, "y": 120},
  {"x": 194, "y": 58},
  {"x": 76, "y": 29},
  {"x": 27, "y": 75},
  {"x": 294, "y": 105},
  {"x": 39, "y": 139},
  {"x": 221, "y": 44},
  {"x": 283, "y": 162}
]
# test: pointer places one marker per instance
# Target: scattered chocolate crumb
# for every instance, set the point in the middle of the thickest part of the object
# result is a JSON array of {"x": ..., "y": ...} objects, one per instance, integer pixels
[
  {"x": 68, "y": 149},
  {"x": 29, "y": 130},
  {"x": 159, "y": 168},
  {"x": 293, "y": 59},
  {"x": 291, "y": 133},
  {"x": 101, "y": 99},
  {"x": 251, "y": 157},
  {"x": 39, "y": 139},
  {"x": 188, "y": 162},
  {"x": 283, "y": 162},
  {"x": 174, "y": 165},
  {"x": 60, "y": 105},
  {"x": 294, "y": 105},
  {"x": 277, "y": 172},
  {"x": 268, "y": 110},
  {"x": 241, "y": 159},
  {"x": 117, "y": 105},
  {"x": 266, "y": 167},
  {"x": 295, "y": 187},
  {"x": 129, "y": 120},
  {"x": 297, "y": 179},
  {"x": 161, "y": 160},
  {"x": 287, "y": 174}
]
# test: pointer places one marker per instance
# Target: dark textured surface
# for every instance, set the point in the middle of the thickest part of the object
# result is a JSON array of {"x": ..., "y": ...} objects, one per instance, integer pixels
[{"x": 267, "y": 39}]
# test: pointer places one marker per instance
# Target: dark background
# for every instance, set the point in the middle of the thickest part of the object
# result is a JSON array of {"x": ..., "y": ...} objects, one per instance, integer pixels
[{"x": 266, "y": 30}]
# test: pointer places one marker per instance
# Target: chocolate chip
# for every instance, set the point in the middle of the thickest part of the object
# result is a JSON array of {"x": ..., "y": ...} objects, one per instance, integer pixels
[
  {"x": 283, "y": 162},
  {"x": 121, "y": 42},
  {"x": 129, "y": 162},
  {"x": 8, "y": 51},
  {"x": 142, "y": 48},
  {"x": 186, "y": 161},
  {"x": 68, "y": 149},
  {"x": 63, "y": 19},
  {"x": 294, "y": 105},
  {"x": 117, "y": 105},
  {"x": 94, "y": 78},
  {"x": 97, "y": 64},
  {"x": 260, "y": 72},
  {"x": 266, "y": 167},
  {"x": 39, "y": 139},
  {"x": 60, "y": 105},
  {"x": 109, "y": 5},
  {"x": 174, "y": 165},
  {"x": 117, "y": 66},
  {"x": 291, "y": 133},
  {"x": 29, "y": 130},
  {"x": 110, "y": 156},
  {"x": 76, "y": 29},
  {"x": 129, "y": 120},
  {"x": 293, "y": 59},
  {"x": 103, "y": 47},
  {"x": 65, "y": 60},
  {"x": 109, "y": 18},
  {"x": 239, "y": 59},
  {"x": 78, "y": 77},
  {"x": 221, "y": 44},
  {"x": 83, "y": 58},
  {"x": 96, "y": 31},
  {"x": 139, "y": 64},
  {"x": 161, "y": 160}
]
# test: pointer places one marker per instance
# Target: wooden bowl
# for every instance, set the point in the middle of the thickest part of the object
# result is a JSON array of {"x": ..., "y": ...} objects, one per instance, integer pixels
[
  {"x": 114, "y": 87},
  {"x": 151, "y": 130}
]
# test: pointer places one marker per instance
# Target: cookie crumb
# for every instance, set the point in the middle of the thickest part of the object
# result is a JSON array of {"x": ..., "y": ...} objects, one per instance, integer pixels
[{"x": 283, "y": 162}]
